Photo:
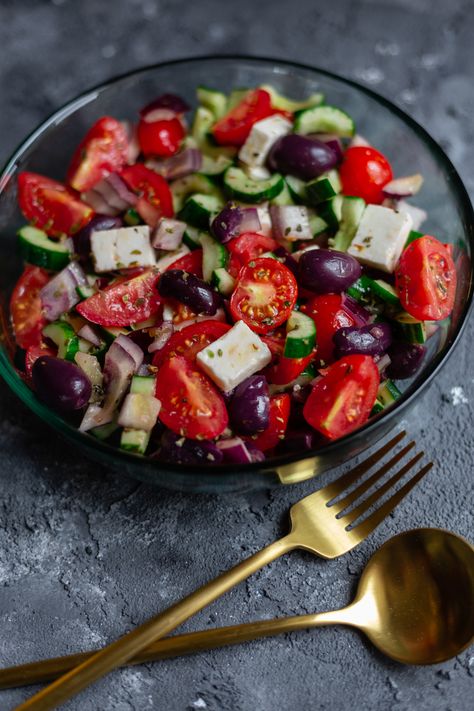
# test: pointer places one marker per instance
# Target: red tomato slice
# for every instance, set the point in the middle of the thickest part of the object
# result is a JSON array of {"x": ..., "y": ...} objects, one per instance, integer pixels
[
  {"x": 329, "y": 316},
  {"x": 25, "y": 307},
  {"x": 191, "y": 263},
  {"x": 32, "y": 355},
  {"x": 425, "y": 279},
  {"x": 276, "y": 343},
  {"x": 278, "y": 422},
  {"x": 103, "y": 150},
  {"x": 245, "y": 247},
  {"x": 160, "y": 138},
  {"x": 264, "y": 295},
  {"x": 191, "y": 406},
  {"x": 125, "y": 302},
  {"x": 364, "y": 172},
  {"x": 155, "y": 196},
  {"x": 286, "y": 370},
  {"x": 233, "y": 128},
  {"x": 51, "y": 206},
  {"x": 190, "y": 340},
  {"x": 341, "y": 401}
]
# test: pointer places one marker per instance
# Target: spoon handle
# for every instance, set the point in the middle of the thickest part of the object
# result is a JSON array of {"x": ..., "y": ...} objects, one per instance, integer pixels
[
  {"x": 50, "y": 669},
  {"x": 123, "y": 649}
]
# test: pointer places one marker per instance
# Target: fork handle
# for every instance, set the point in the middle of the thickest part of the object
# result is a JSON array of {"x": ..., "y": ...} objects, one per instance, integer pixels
[{"x": 123, "y": 649}]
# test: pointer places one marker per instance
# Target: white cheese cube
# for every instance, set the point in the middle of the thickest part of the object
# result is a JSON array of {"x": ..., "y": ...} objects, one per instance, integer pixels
[
  {"x": 234, "y": 357},
  {"x": 122, "y": 248},
  {"x": 380, "y": 237},
  {"x": 261, "y": 138}
]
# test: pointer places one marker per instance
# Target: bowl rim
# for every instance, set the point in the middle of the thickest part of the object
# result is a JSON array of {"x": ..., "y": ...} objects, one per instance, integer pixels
[{"x": 112, "y": 453}]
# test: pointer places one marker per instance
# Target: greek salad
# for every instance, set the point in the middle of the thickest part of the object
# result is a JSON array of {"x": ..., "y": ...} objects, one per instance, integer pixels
[{"x": 250, "y": 282}]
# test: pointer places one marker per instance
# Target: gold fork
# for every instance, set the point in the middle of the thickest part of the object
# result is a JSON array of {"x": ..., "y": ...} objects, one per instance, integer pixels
[{"x": 319, "y": 524}]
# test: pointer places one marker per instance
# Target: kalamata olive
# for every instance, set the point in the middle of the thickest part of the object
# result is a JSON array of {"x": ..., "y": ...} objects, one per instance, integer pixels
[
  {"x": 303, "y": 157},
  {"x": 180, "y": 450},
  {"x": 328, "y": 271},
  {"x": 226, "y": 224},
  {"x": 298, "y": 441},
  {"x": 373, "y": 339},
  {"x": 82, "y": 239},
  {"x": 249, "y": 409},
  {"x": 60, "y": 384},
  {"x": 189, "y": 290},
  {"x": 405, "y": 359}
]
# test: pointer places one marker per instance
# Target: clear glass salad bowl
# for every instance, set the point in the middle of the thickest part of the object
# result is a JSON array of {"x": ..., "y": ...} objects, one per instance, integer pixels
[{"x": 408, "y": 147}]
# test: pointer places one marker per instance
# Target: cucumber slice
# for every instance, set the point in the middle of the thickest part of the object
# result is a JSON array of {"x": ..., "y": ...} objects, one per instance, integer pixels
[
  {"x": 213, "y": 100},
  {"x": 214, "y": 256},
  {"x": 104, "y": 431},
  {"x": 235, "y": 97},
  {"x": 85, "y": 291},
  {"x": 202, "y": 124},
  {"x": 131, "y": 218},
  {"x": 110, "y": 333},
  {"x": 361, "y": 290},
  {"x": 37, "y": 248},
  {"x": 282, "y": 102},
  {"x": 317, "y": 225},
  {"x": 297, "y": 188},
  {"x": 323, "y": 188},
  {"x": 388, "y": 393},
  {"x": 324, "y": 119},
  {"x": 192, "y": 237},
  {"x": 134, "y": 441},
  {"x": 382, "y": 290},
  {"x": 351, "y": 214},
  {"x": 143, "y": 385},
  {"x": 182, "y": 188},
  {"x": 300, "y": 335},
  {"x": 283, "y": 198},
  {"x": 64, "y": 336},
  {"x": 213, "y": 167},
  {"x": 241, "y": 187},
  {"x": 223, "y": 281},
  {"x": 413, "y": 331},
  {"x": 199, "y": 209},
  {"x": 413, "y": 235},
  {"x": 331, "y": 211}
]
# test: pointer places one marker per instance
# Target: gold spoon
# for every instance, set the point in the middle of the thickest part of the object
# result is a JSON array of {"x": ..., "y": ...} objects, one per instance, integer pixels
[{"x": 415, "y": 602}]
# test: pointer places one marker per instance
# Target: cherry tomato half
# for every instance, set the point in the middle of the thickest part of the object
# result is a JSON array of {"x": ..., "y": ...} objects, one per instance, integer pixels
[
  {"x": 245, "y": 247},
  {"x": 191, "y": 263},
  {"x": 51, "y": 206},
  {"x": 103, "y": 150},
  {"x": 278, "y": 422},
  {"x": 364, "y": 172},
  {"x": 329, "y": 315},
  {"x": 190, "y": 340},
  {"x": 341, "y": 401},
  {"x": 160, "y": 138},
  {"x": 35, "y": 352},
  {"x": 426, "y": 279},
  {"x": 285, "y": 370},
  {"x": 191, "y": 406},
  {"x": 155, "y": 199},
  {"x": 264, "y": 295},
  {"x": 233, "y": 128},
  {"x": 124, "y": 302},
  {"x": 25, "y": 307}
]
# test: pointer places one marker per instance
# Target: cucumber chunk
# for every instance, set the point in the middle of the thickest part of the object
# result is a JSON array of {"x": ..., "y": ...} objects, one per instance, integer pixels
[
  {"x": 223, "y": 281},
  {"x": 199, "y": 209},
  {"x": 331, "y": 211},
  {"x": 143, "y": 385},
  {"x": 37, "y": 248},
  {"x": 300, "y": 335},
  {"x": 297, "y": 188},
  {"x": 282, "y": 102},
  {"x": 214, "y": 256},
  {"x": 351, "y": 214},
  {"x": 243, "y": 188},
  {"x": 213, "y": 100},
  {"x": 65, "y": 338},
  {"x": 323, "y": 188},
  {"x": 134, "y": 441},
  {"x": 182, "y": 188},
  {"x": 324, "y": 119}
]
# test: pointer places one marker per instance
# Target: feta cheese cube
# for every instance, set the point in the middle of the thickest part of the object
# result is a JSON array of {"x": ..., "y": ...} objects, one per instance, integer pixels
[
  {"x": 234, "y": 357},
  {"x": 381, "y": 237},
  {"x": 122, "y": 248},
  {"x": 261, "y": 138}
]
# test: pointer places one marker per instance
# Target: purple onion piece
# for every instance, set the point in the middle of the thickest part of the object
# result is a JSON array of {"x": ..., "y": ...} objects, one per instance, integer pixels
[
  {"x": 131, "y": 348},
  {"x": 233, "y": 221},
  {"x": 133, "y": 143},
  {"x": 298, "y": 441},
  {"x": 88, "y": 333},
  {"x": 189, "y": 290},
  {"x": 179, "y": 450},
  {"x": 168, "y": 234},
  {"x": 60, "y": 384},
  {"x": 382, "y": 362},
  {"x": 178, "y": 166},
  {"x": 82, "y": 239},
  {"x": 360, "y": 315},
  {"x": 161, "y": 336},
  {"x": 166, "y": 101},
  {"x": 234, "y": 451},
  {"x": 303, "y": 157},
  {"x": 403, "y": 187},
  {"x": 256, "y": 454},
  {"x": 291, "y": 222},
  {"x": 60, "y": 294},
  {"x": 373, "y": 340},
  {"x": 405, "y": 360},
  {"x": 99, "y": 204},
  {"x": 249, "y": 408}
]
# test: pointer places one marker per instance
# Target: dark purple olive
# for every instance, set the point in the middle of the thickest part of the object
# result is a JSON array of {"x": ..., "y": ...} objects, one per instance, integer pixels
[
  {"x": 82, "y": 239},
  {"x": 226, "y": 224},
  {"x": 180, "y": 450},
  {"x": 298, "y": 441},
  {"x": 405, "y": 360},
  {"x": 372, "y": 340},
  {"x": 327, "y": 271},
  {"x": 166, "y": 101},
  {"x": 249, "y": 409},
  {"x": 303, "y": 157},
  {"x": 60, "y": 384},
  {"x": 288, "y": 260},
  {"x": 334, "y": 143},
  {"x": 189, "y": 290}
]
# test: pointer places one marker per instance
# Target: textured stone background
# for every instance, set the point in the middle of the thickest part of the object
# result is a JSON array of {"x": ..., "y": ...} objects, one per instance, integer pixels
[{"x": 86, "y": 554}]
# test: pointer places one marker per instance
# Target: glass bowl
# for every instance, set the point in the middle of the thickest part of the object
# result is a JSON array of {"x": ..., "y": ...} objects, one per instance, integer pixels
[{"x": 409, "y": 148}]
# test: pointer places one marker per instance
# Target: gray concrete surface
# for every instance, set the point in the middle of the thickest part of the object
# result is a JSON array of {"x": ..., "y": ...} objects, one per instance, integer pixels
[{"x": 86, "y": 554}]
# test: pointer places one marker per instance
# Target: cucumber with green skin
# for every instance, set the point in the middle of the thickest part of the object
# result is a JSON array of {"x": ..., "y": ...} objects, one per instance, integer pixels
[
  {"x": 300, "y": 335},
  {"x": 324, "y": 119},
  {"x": 199, "y": 209},
  {"x": 182, "y": 188},
  {"x": 213, "y": 100},
  {"x": 38, "y": 249},
  {"x": 134, "y": 441},
  {"x": 323, "y": 188},
  {"x": 65, "y": 338},
  {"x": 223, "y": 281},
  {"x": 351, "y": 214},
  {"x": 282, "y": 102},
  {"x": 243, "y": 188},
  {"x": 214, "y": 256}
]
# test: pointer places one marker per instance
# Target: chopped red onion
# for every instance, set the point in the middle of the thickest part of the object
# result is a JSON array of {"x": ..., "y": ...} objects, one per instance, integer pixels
[
  {"x": 177, "y": 166},
  {"x": 359, "y": 313},
  {"x": 88, "y": 333},
  {"x": 235, "y": 451},
  {"x": 60, "y": 294},
  {"x": 159, "y": 114},
  {"x": 110, "y": 196},
  {"x": 161, "y": 336},
  {"x": 382, "y": 362},
  {"x": 168, "y": 234},
  {"x": 132, "y": 348},
  {"x": 403, "y": 187},
  {"x": 359, "y": 141},
  {"x": 99, "y": 204},
  {"x": 133, "y": 144},
  {"x": 291, "y": 222},
  {"x": 233, "y": 220},
  {"x": 166, "y": 101}
]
